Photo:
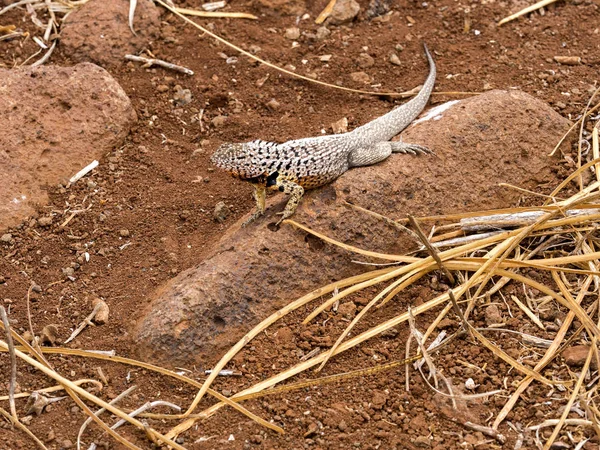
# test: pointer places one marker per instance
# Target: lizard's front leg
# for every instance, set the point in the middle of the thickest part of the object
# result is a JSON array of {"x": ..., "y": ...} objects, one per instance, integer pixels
[
  {"x": 260, "y": 195},
  {"x": 295, "y": 191}
]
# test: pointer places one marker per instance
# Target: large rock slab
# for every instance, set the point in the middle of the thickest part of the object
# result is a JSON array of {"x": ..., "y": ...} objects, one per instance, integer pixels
[
  {"x": 479, "y": 142},
  {"x": 54, "y": 121},
  {"x": 99, "y": 31}
]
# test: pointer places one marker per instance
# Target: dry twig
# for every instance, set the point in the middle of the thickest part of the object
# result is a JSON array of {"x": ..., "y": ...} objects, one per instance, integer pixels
[{"x": 148, "y": 62}]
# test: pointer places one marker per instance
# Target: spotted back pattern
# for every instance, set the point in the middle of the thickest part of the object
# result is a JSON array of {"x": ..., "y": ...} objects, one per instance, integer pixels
[
  {"x": 315, "y": 161},
  {"x": 307, "y": 162}
]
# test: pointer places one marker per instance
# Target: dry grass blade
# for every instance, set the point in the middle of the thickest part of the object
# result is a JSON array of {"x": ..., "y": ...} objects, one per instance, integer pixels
[
  {"x": 572, "y": 305},
  {"x": 326, "y": 12},
  {"x": 355, "y": 288},
  {"x": 132, "y": 6},
  {"x": 535, "y": 319},
  {"x": 46, "y": 56},
  {"x": 596, "y": 151},
  {"x": 551, "y": 352},
  {"x": 574, "y": 395},
  {"x": 527, "y": 10},
  {"x": 16, "y": 4},
  {"x": 73, "y": 387},
  {"x": 213, "y": 14},
  {"x": 100, "y": 411},
  {"x": 572, "y": 128},
  {"x": 22, "y": 427},
  {"x": 293, "y": 74},
  {"x": 350, "y": 248},
  {"x": 270, "y": 320},
  {"x": 432, "y": 251},
  {"x": 358, "y": 316},
  {"x": 132, "y": 362},
  {"x": 149, "y": 62},
  {"x": 13, "y": 364},
  {"x": 24, "y": 394}
]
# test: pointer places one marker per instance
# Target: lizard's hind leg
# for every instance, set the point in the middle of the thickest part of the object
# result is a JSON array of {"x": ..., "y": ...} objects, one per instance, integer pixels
[
  {"x": 380, "y": 151},
  {"x": 370, "y": 155}
]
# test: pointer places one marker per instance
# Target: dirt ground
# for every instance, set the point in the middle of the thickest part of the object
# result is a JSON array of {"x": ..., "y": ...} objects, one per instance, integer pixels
[{"x": 153, "y": 201}]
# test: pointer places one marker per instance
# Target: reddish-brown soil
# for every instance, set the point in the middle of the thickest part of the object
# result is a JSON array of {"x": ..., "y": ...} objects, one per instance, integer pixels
[{"x": 161, "y": 189}]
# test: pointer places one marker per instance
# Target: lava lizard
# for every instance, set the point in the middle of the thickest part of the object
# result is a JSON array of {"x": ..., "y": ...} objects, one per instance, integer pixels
[{"x": 312, "y": 162}]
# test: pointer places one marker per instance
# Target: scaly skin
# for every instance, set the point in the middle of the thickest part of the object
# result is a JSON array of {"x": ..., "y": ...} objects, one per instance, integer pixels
[{"x": 308, "y": 163}]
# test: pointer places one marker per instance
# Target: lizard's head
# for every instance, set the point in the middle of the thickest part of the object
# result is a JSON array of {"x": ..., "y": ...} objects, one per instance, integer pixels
[{"x": 237, "y": 159}]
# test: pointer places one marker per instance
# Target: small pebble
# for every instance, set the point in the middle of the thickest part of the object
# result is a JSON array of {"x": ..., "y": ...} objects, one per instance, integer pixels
[
  {"x": 492, "y": 315},
  {"x": 347, "y": 310},
  {"x": 273, "y": 105},
  {"x": 162, "y": 88},
  {"x": 575, "y": 356},
  {"x": 45, "y": 221},
  {"x": 124, "y": 233},
  {"x": 7, "y": 238},
  {"x": 26, "y": 420},
  {"x": 49, "y": 334},
  {"x": 292, "y": 33},
  {"x": 365, "y": 61},
  {"x": 51, "y": 436},
  {"x": 341, "y": 126},
  {"x": 422, "y": 441},
  {"x": 322, "y": 33},
  {"x": 27, "y": 336},
  {"x": 313, "y": 428},
  {"x": 395, "y": 60},
  {"x": 182, "y": 97},
  {"x": 390, "y": 333},
  {"x": 360, "y": 77},
  {"x": 219, "y": 121},
  {"x": 221, "y": 212}
]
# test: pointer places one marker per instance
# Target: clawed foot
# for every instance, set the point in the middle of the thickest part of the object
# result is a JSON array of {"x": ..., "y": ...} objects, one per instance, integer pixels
[
  {"x": 252, "y": 218},
  {"x": 411, "y": 149},
  {"x": 283, "y": 217}
]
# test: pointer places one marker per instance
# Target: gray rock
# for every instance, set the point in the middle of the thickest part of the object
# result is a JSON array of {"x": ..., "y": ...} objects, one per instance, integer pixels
[{"x": 344, "y": 11}]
